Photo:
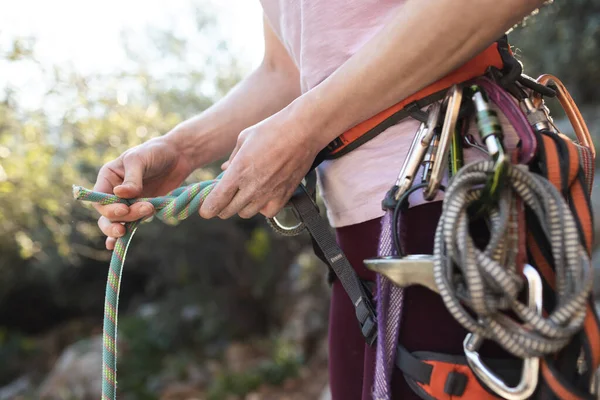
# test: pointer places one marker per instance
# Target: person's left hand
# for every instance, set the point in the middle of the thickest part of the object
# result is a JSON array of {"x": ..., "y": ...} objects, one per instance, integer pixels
[{"x": 268, "y": 163}]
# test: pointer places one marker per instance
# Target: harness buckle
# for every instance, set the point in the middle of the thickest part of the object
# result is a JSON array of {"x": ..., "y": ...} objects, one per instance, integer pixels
[
  {"x": 529, "y": 374},
  {"x": 366, "y": 317}
]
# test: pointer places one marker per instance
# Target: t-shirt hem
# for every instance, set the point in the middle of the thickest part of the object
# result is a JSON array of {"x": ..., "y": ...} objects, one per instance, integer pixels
[{"x": 366, "y": 212}]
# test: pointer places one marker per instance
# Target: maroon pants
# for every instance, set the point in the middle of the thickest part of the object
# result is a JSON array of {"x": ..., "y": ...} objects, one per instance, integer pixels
[{"x": 426, "y": 324}]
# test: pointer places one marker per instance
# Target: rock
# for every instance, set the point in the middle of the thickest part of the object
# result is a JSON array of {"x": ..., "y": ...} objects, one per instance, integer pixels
[
  {"x": 15, "y": 388},
  {"x": 77, "y": 373},
  {"x": 326, "y": 394}
]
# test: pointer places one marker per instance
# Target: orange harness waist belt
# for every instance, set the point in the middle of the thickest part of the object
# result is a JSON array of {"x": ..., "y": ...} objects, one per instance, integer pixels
[{"x": 494, "y": 56}]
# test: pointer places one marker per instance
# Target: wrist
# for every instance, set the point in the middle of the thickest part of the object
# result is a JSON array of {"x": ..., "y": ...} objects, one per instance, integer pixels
[
  {"x": 195, "y": 143},
  {"x": 315, "y": 119}
]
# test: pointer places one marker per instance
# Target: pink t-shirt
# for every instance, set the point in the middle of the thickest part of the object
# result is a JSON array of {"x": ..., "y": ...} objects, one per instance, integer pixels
[{"x": 320, "y": 35}]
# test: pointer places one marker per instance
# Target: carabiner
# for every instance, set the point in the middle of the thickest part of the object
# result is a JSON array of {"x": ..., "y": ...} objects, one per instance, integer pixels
[
  {"x": 491, "y": 134},
  {"x": 414, "y": 158},
  {"x": 531, "y": 366},
  {"x": 440, "y": 157}
]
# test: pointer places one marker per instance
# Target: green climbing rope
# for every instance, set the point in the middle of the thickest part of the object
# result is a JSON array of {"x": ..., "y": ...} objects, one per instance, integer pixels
[{"x": 175, "y": 206}]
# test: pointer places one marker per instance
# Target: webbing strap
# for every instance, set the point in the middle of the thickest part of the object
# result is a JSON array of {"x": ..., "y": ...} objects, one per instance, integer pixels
[
  {"x": 319, "y": 229},
  {"x": 410, "y": 110},
  {"x": 559, "y": 160},
  {"x": 445, "y": 376}
]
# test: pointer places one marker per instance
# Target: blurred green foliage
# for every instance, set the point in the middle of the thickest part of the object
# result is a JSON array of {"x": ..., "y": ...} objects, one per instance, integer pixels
[{"x": 52, "y": 263}]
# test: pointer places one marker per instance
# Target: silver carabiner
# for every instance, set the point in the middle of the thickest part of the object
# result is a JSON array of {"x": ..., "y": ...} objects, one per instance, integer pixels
[
  {"x": 531, "y": 366},
  {"x": 440, "y": 157},
  {"x": 417, "y": 150}
]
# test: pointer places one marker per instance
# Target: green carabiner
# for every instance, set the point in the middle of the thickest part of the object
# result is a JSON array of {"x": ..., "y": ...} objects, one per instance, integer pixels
[{"x": 491, "y": 134}]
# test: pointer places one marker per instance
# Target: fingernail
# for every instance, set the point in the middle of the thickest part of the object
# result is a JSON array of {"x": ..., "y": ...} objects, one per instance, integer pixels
[
  {"x": 119, "y": 212},
  {"x": 116, "y": 232},
  {"x": 145, "y": 210}
]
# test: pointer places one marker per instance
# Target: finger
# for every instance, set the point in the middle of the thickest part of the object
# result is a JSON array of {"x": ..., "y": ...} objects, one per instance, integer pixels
[
  {"x": 122, "y": 213},
  {"x": 272, "y": 208},
  {"x": 110, "y": 243},
  {"x": 111, "y": 229},
  {"x": 109, "y": 177},
  {"x": 220, "y": 196},
  {"x": 251, "y": 209},
  {"x": 241, "y": 199},
  {"x": 131, "y": 187}
]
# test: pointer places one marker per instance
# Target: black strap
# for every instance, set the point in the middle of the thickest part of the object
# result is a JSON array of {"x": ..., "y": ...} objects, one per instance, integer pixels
[
  {"x": 308, "y": 211},
  {"x": 414, "y": 368}
]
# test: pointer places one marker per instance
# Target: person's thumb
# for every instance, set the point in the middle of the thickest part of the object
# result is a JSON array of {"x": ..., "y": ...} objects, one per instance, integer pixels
[{"x": 131, "y": 187}]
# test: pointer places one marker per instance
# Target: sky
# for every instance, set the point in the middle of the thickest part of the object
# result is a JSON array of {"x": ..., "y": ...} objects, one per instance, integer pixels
[{"x": 87, "y": 33}]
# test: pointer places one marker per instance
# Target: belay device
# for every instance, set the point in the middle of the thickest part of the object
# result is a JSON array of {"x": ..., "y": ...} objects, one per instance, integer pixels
[{"x": 528, "y": 288}]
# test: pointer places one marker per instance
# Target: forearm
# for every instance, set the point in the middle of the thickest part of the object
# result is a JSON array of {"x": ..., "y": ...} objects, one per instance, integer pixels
[
  {"x": 423, "y": 42},
  {"x": 212, "y": 134}
]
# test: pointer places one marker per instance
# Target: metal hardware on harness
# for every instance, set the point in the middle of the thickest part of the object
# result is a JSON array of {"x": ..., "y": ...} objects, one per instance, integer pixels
[
  {"x": 416, "y": 152},
  {"x": 308, "y": 186},
  {"x": 429, "y": 160},
  {"x": 491, "y": 134},
  {"x": 478, "y": 285},
  {"x": 456, "y": 153},
  {"x": 536, "y": 117},
  {"x": 285, "y": 230},
  {"x": 413, "y": 269},
  {"x": 452, "y": 104},
  {"x": 470, "y": 141},
  {"x": 531, "y": 365}
]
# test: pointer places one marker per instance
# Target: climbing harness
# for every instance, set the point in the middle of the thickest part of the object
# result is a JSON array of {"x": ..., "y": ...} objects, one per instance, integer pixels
[
  {"x": 535, "y": 202},
  {"x": 480, "y": 286}
]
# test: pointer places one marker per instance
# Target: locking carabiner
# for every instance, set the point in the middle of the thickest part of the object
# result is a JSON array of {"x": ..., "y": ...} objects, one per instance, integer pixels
[
  {"x": 491, "y": 134},
  {"x": 531, "y": 366}
]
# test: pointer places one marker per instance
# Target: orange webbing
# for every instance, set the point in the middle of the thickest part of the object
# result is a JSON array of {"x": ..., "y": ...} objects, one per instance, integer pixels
[
  {"x": 540, "y": 262},
  {"x": 558, "y": 388},
  {"x": 477, "y": 66},
  {"x": 576, "y": 197},
  {"x": 553, "y": 163},
  {"x": 592, "y": 332},
  {"x": 571, "y": 109},
  {"x": 439, "y": 374}
]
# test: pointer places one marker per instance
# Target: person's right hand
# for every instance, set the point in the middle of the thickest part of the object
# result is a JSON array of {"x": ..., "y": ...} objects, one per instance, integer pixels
[{"x": 151, "y": 169}]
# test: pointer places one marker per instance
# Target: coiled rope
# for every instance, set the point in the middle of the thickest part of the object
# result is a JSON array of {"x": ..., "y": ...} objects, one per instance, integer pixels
[
  {"x": 487, "y": 281},
  {"x": 175, "y": 206}
]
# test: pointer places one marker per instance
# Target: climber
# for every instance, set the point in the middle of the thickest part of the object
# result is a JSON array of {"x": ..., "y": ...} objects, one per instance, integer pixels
[{"x": 328, "y": 66}]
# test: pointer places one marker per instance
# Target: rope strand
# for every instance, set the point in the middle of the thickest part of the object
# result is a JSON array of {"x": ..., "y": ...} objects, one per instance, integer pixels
[
  {"x": 488, "y": 282},
  {"x": 175, "y": 206}
]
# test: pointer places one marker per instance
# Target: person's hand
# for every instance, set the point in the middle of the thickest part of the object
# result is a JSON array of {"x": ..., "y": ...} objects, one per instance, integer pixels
[
  {"x": 268, "y": 163},
  {"x": 151, "y": 169}
]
